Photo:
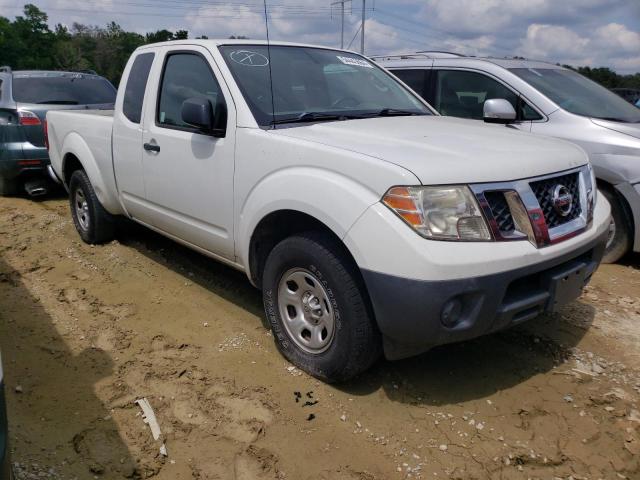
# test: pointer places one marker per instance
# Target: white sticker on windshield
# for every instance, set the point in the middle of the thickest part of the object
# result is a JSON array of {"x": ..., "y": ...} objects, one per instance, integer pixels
[
  {"x": 356, "y": 62},
  {"x": 249, "y": 58}
]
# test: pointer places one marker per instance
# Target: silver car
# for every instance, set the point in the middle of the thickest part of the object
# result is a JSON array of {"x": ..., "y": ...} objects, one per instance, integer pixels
[{"x": 546, "y": 99}]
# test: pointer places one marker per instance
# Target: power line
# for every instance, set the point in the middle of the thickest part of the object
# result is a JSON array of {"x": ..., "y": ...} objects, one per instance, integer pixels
[{"x": 354, "y": 37}]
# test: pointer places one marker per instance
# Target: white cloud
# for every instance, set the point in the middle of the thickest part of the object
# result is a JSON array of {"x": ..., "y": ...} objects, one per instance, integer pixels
[
  {"x": 611, "y": 45},
  {"x": 617, "y": 37},
  {"x": 549, "y": 41}
]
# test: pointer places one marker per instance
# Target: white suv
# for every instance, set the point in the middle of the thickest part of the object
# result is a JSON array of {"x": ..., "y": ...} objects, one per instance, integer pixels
[{"x": 549, "y": 100}]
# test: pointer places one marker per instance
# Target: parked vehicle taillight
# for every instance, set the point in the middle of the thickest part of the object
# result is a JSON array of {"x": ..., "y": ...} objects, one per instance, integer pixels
[
  {"x": 28, "y": 118},
  {"x": 46, "y": 134}
]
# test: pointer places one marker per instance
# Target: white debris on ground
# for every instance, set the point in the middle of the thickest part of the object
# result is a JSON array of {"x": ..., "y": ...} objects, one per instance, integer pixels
[{"x": 149, "y": 417}]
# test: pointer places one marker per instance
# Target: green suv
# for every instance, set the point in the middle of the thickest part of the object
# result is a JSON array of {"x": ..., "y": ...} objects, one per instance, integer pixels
[{"x": 25, "y": 98}]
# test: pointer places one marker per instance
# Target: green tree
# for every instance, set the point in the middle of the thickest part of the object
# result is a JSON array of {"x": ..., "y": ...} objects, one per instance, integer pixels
[
  {"x": 159, "y": 36},
  {"x": 181, "y": 35}
]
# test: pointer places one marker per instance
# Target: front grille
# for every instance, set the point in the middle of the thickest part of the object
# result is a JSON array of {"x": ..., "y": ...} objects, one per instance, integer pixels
[
  {"x": 500, "y": 211},
  {"x": 544, "y": 189}
]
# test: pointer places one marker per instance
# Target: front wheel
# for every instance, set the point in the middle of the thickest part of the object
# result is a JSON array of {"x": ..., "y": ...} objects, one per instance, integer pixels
[
  {"x": 317, "y": 308},
  {"x": 94, "y": 224},
  {"x": 619, "y": 241}
]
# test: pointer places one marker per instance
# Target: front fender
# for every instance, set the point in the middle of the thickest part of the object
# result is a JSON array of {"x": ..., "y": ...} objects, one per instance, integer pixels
[
  {"x": 616, "y": 169},
  {"x": 333, "y": 199},
  {"x": 103, "y": 182}
]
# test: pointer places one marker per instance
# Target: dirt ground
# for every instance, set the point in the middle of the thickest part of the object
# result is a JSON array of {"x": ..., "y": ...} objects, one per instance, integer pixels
[{"x": 86, "y": 331}]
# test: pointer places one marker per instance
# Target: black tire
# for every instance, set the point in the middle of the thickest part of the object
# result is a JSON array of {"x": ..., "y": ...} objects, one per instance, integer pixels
[
  {"x": 98, "y": 225},
  {"x": 356, "y": 342},
  {"x": 9, "y": 187},
  {"x": 620, "y": 243}
]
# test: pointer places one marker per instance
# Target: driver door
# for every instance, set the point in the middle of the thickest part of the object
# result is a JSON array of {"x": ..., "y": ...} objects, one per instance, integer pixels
[{"x": 189, "y": 174}]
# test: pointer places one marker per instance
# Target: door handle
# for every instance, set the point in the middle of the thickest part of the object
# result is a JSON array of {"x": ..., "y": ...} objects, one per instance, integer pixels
[{"x": 150, "y": 147}]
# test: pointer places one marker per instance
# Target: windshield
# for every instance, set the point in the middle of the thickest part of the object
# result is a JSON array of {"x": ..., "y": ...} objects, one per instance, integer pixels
[
  {"x": 314, "y": 84},
  {"x": 579, "y": 95},
  {"x": 67, "y": 89}
]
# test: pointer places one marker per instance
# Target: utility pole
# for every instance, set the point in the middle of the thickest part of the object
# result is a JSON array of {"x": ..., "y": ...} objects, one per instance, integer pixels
[
  {"x": 364, "y": 4},
  {"x": 341, "y": 3}
]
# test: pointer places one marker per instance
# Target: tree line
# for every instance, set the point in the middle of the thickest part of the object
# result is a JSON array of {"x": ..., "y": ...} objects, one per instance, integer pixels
[{"x": 29, "y": 43}]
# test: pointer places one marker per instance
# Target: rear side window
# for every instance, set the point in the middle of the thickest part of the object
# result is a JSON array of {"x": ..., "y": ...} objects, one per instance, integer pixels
[
  {"x": 186, "y": 75},
  {"x": 136, "y": 86},
  {"x": 417, "y": 79},
  {"x": 65, "y": 89}
]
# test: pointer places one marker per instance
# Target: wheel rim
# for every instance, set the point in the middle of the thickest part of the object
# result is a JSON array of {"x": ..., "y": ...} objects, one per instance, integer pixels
[
  {"x": 612, "y": 233},
  {"x": 82, "y": 209},
  {"x": 306, "y": 311}
]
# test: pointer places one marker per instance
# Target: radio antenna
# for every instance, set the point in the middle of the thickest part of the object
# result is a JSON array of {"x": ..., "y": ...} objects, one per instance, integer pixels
[{"x": 273, "y": 107}]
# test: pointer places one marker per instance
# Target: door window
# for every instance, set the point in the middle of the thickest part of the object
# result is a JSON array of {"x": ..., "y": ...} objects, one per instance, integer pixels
[
  {"x": 186, "y": 75},
  {"x": 417, "y": 79},
  {"x": 136, "y": 86},
  {"x": 462, "y": 94}
]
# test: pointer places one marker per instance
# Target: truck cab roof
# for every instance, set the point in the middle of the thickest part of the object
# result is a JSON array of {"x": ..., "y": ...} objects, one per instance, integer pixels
[{"x": 208, "y": 43}]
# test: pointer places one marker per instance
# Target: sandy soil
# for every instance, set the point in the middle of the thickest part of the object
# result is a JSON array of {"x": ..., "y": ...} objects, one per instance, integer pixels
[{"x": 85, "y": 331}]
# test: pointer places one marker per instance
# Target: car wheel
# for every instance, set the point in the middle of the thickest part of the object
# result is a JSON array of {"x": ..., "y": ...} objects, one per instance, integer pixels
[
  {"x": 619, "y": 241},
  {"x": 94, "y": 224},
  {"x": 8, "y": 187},
  {"x": 318, "y": 309}
]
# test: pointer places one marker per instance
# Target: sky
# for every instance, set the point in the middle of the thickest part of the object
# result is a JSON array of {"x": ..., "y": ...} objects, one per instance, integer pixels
[{"x": 577, "y": 32}]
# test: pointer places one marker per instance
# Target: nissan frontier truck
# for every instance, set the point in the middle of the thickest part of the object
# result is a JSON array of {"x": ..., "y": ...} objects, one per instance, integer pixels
[{"x": 370, "y": 223}]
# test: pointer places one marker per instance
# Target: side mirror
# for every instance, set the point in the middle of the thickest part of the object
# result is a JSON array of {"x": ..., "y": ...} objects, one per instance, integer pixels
[
  {"x": 198, "y": 112},
  {"x": 499, "y": 110}
]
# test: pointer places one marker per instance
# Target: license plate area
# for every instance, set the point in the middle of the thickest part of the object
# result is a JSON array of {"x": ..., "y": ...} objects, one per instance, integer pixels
[{"x": 566, "y": 285}]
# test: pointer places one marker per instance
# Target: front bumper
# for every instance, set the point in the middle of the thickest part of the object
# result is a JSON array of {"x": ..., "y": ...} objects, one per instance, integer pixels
[{"x": 416, "y": 315}]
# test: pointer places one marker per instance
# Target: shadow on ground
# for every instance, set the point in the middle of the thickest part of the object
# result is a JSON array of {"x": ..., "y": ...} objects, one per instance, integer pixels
[
  {"x": 632, "y": 260},
  {"x": 447, "y": 374},
  {"x": 57, "y": 410}
]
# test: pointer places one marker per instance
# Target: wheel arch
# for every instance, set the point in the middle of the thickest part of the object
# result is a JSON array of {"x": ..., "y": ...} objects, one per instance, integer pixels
[
  {"x": 632, "y": 215},
  {"x": 281, "y": 224},
  {"x": 76, "y": 154}
]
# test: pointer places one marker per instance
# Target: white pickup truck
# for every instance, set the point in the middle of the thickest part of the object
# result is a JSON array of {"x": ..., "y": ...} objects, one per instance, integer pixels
[{"x": 369, "y": 222}]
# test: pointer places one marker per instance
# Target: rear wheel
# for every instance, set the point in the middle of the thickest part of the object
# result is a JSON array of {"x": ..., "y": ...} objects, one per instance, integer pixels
[
  {"x": 619, "y": 241},
  {"x": 317, "y": 308},
  {"x": 94, "y": 224}
]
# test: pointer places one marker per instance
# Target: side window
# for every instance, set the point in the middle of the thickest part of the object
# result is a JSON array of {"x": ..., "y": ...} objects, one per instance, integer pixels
[
  {"x": 185, "y": 75},
  {"x": 462, "y": 94},
  {"x": 417, "y": 79},
  {"x": 136, "y": 86},
  {"x": 526, "y": 111}
]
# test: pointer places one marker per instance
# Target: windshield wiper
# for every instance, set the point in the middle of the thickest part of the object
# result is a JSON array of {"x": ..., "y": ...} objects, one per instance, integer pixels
[
  {"x": 307, "y": 117},
  {"x": 394, "y": 112},
  {"x": 58, "y": 102}
]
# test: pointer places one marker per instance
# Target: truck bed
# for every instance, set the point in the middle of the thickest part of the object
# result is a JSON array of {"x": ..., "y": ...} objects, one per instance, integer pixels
[{"x": 89, "y": 132}]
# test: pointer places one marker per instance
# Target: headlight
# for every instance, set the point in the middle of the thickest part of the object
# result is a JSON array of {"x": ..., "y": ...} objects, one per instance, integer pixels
[{"x": 441, "y": 213}]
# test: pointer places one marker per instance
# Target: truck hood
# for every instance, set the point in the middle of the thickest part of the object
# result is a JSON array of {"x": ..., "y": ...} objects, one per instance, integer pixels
[
  {"x": 443, "y": 150},
  {"x": 632, "y": 129}
]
